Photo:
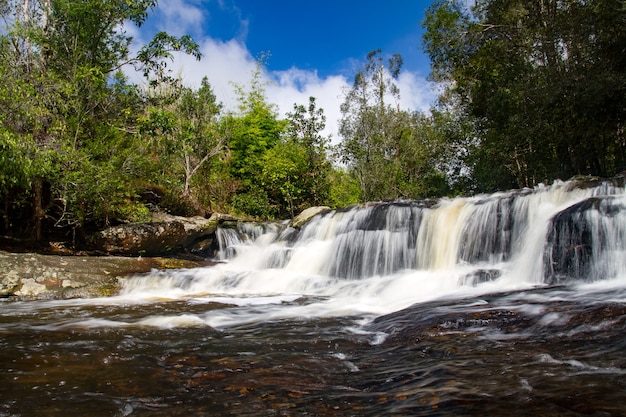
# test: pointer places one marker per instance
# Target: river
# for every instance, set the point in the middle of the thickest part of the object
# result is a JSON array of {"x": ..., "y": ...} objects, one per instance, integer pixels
[{"x": 504, "y": 304}]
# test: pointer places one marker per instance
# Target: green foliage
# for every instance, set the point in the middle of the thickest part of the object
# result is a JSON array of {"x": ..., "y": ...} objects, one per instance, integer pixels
[
  {"x": 534, "y": 90},
  {"x": 542, "y": 82},
  {"x": 152, "y": 58},
  {"x": 253, "y": 131},
  {"x": 392, "y": 153},
  {"x": 185, "y": 134},
  {"x": 89, "y": 191},
  {"x": 344, "y": 189},
  {"x": 304, "y": 130},
  {"x": 283, "y": 175},
  {"x": 79, "y": 159},
  {"x": 254, "y": 202},
  {"x": 18, "y": 162}
]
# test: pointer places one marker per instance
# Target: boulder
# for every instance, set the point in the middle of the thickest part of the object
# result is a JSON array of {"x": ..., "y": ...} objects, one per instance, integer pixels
[
  {"x": 305, "y": 216},
  {"x": 577, "y": 237},
  {"x": 140, "y": 238},
  {"x": 165, "y": 235}
]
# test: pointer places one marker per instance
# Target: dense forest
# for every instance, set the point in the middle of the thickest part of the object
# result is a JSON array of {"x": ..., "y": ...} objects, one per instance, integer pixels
[{"x": 531, "y": 91}]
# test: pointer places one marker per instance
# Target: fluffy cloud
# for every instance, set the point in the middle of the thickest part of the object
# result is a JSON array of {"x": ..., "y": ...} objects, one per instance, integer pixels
[
  {"x": 295, "y": 86},
  {"x": 225, "y": 63},
  {"x": 416, "y": 93},
  {"x": 186, "y": 16}
]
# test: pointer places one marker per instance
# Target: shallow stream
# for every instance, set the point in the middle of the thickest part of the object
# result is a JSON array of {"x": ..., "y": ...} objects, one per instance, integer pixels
[{"x": 511, "y": 304}]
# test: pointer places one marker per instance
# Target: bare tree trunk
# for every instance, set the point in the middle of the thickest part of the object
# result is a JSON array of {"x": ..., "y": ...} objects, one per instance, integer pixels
[{"x": 188, "y": 175}]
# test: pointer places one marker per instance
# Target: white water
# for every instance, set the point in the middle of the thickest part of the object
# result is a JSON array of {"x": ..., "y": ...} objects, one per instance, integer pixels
[{"x": 384, "y": 257}]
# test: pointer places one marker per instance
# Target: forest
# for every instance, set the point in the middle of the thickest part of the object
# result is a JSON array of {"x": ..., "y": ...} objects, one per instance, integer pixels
[{"x": 531, "y": 91}]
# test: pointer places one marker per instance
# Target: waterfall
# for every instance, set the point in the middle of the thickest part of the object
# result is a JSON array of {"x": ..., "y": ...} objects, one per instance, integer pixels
[
  {"x": 541, "y": 234},
  {"x": 382, "y": 256}
]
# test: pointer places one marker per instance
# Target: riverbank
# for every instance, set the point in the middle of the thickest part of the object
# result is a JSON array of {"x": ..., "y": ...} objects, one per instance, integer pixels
[
  {"x": 168, "y": 242},
  {"x": 43, "y": 276}
]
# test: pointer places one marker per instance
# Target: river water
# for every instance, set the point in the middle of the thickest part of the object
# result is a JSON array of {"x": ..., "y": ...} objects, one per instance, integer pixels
[{"x": 506, "y": 304}]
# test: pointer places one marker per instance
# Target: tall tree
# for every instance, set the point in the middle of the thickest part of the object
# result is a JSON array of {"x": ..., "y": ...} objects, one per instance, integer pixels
[
  {"x": 366, "y": 124},
  {"x": 62, "y": 57},
  {"x": 305, "y": 129},
  {"x": 544, "y": 82},
  {"x": 390, "y": 151},
  {"x": 254, "y": 130},
  {"x": 186, "y": 132}
]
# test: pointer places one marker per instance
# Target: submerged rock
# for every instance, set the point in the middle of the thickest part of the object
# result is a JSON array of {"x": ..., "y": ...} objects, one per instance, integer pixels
[{"x": 578, "y": 238}]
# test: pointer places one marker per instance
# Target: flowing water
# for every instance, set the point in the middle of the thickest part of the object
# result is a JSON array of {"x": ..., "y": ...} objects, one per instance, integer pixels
[{"x": 504, "y": 304}]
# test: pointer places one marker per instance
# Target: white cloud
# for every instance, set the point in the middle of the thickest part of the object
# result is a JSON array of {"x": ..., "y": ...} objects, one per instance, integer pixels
[
  {"x": 180, "y": 17},
  {"x": 416, "y": 93},
  {"x": 227, "y": 62},
  {"x": 295, "y": 86},
  {"x": 224, "y": 63}
]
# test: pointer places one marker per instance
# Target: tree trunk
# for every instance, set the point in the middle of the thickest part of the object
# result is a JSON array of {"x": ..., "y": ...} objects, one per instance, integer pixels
[
  {"x": 188, "y": 175},
  {"x": 38, "y": 211}
]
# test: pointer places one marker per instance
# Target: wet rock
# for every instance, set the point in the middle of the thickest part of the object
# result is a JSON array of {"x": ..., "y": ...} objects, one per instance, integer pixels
[
  {"x": 305, "y": 216},
  {"x": 480, "y": 276},
  {"x": 576, "y": 238}
]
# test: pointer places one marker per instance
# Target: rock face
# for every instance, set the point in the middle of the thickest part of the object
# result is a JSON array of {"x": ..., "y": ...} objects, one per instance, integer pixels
[
  {"x": 35, "y": 276},
  {"x": 166, "y": 242},
  {"x": 140, "y": 238}
]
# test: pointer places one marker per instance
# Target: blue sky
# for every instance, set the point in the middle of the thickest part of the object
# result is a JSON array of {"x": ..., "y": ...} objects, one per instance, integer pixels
[
  {"x": 323, "y": 35},
  {"x": 315, "y": 47}
]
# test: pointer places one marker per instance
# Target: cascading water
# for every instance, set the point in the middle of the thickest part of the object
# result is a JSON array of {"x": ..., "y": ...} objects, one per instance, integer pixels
[
  {"x": 384, "y": 256},
  {"x": 459, "y": 306}
]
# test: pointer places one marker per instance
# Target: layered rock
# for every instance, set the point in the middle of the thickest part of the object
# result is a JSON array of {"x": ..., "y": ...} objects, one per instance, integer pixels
[{"x": 165, "y": 236}]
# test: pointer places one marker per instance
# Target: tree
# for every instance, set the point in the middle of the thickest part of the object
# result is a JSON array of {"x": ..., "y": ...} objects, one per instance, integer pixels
[
  {"x": 543, "y": 82},
  {"x": 186, "y": 132},
  {"x": 284, "y": 173},
  {"x": 254, "y": 130},
  {"x": 304, "y": 129},
  {"x": 62, "y": 58},
  {"x": 391, "y": 152},
  {"x": 365, "y": 125}
]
